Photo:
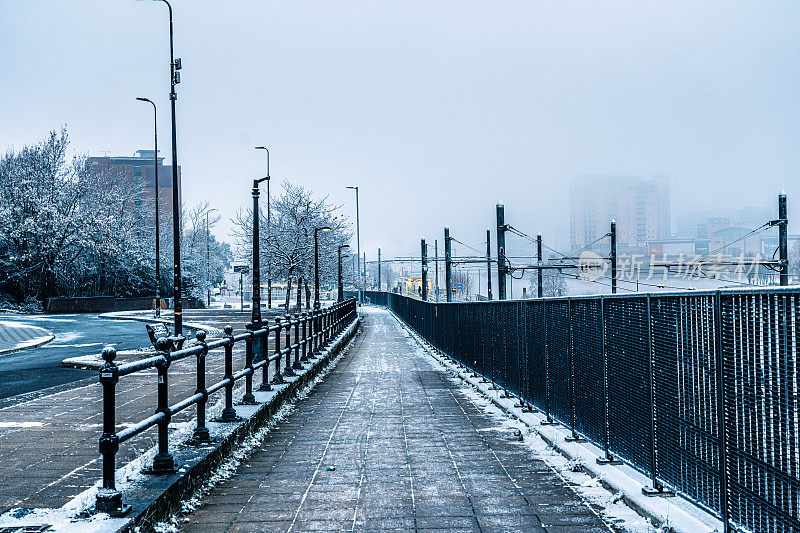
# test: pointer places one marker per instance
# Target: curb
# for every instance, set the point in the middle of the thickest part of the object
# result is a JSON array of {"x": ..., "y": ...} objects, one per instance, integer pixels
[
  {"x": 118, "y": 315},
  {"x": 199, "y": 463},
  {"x": 94, "y": 361},
  {"x": 44, "y": 341},
  {"x": 689, "y": 522}
]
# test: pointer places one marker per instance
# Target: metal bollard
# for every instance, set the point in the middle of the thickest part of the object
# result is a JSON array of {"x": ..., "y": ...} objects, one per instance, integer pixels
[
  {"x": 297, "y": 365},
  {"x": 278, "y": 379},
  {"x": 229, "y": 413},
  {"x": 288, "y": 371},
  {"x": 249, "y": 398},
  {"x": 200, "y": 435},
  {"x": 109, "y": 499},
  {"x": 163, "y": 463},
  {"x": 304, "y": 341}
]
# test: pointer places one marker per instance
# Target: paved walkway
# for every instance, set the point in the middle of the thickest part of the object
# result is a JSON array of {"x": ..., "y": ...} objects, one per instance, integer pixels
[{"x": 387, "y": 441}]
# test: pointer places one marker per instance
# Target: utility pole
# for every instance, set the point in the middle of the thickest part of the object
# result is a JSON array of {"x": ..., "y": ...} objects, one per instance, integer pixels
[
  {"x": 364, "y": 273},
  {"x": 501, "y": 253},
  {"x": 379, "y": 269},
  {"x": 424, "y": 270},
  {"x": 358, "y": 251},
  {"x": 436, "y": 267},
  {"x": 613, "y": 256},
  {"x": 540, "y": 289},
  {"x": 489, "y": 265},
  {"x": 783, "y": 238},
  {"x": 447, "y": 268}
]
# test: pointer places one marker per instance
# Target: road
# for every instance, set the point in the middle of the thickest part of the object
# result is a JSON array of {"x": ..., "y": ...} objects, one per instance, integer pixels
[{"x": 39, "y": 368}]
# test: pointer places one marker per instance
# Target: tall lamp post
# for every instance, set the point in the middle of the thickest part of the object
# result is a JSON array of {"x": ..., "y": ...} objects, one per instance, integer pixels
[
  {"x": 255, "y": 316},
  {"x": 340, "y": 294},
  {"x": 208, "y": 257},
  {"x": 316, "y": 264},
  {"x": 158, "y": 240},
  {"x": 269, "y": 236},
  {"x": 174, "y": 79},
  {"x": 358, "y": 249}
]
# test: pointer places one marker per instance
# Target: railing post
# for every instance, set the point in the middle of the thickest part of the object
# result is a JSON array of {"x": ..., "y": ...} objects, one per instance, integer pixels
[
  {"x": 163, "y": 463},
  {"x": 573, "y": 437},
  {"x": 229, "y": 413},
  {"x": 201, "y": 434},
  {"x": 317, "y": 322},
  {"x": 278, "y": 379},
  {"x": 608, "y": 459},
  {"x": 657, "y": 489},
  {"x": 249, "y": 398},
  {"x": 264, "y": 344},
  {"x": 109, "y": 499},
  {"x": 297, "y": 364},
  {"x": 288, "y": 371},
  {"x": 304, "y": 338},
  {"x": 723, "y": 437}
]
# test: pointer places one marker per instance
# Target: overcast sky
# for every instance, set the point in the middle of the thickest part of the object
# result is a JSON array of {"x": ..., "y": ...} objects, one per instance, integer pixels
[{"x": 435, "y": 109}]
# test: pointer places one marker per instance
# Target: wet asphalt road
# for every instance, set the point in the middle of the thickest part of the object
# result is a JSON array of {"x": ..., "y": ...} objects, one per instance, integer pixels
[{"x": 39, "y": 368}]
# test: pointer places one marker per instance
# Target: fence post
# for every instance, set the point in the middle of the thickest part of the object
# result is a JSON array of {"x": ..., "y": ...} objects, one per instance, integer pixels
[
  {"x": 278, "y": 379},
  {"x": 288, "y": 371},
  {"x": 573, "y": 437},
  {"x": 263, "y": 344},
  {"x": 657, "y": 489},
  {"x": 608, "y": 459},
  {"x": 229, "y": 413},
  {"x": 548, "y": 421},
  {"x": 304, "y": 333},
  {"x": 249, "y": 398},
  {"x": 109, "y": 499},
  {"x": 163, "y": 462},
  {"x": 297, "y": 364},
  {"x": 723, "y": 437},
  {"x": 201, "y": 434}
]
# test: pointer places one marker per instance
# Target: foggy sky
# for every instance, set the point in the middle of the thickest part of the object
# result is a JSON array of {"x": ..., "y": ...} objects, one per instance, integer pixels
[{"x": 435, "y": 109}]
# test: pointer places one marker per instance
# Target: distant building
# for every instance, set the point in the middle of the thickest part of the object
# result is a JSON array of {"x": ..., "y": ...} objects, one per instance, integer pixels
[
  {"x": 640, "y": 206},
  {"x": 138, "y": 170}
]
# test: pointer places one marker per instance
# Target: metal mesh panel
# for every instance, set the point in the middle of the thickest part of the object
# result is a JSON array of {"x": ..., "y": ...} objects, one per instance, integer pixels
[
  {"x": 587, "y": 363},
  {"x": 535, "y": 339},
  {"x": 740, "y": 346},
  {"x": 686, "y": 395},
  {"x": 558, "y": 358},
  {"x": 628, "y": 380},
  {"x": 760, "y": 334}
]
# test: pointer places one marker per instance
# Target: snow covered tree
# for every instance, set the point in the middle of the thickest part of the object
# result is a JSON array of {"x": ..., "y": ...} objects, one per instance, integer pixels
[{"x": 289, "y": 242}]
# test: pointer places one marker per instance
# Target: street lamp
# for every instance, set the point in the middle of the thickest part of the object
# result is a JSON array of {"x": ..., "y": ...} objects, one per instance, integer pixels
[
  {"x": 174, "y": 79},
  {"x": 255, "y": 316},
  {"x": 269, "y": 236},
  {"x": 316, "y": 264},
  {"x": 155, "y": 167},
  {"x": 208, "y": 258},
  {"x": 358, "y": 250},
  {"x": 340, "y": 295}
]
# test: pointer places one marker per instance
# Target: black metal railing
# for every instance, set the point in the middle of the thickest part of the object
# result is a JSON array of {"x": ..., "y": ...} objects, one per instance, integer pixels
[
  {"x": 698, "y": 390},
  {"x": 312, "y": 332}
]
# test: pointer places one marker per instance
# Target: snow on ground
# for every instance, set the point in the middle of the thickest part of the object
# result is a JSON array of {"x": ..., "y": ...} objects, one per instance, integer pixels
[{"x": 575, "y": 463}]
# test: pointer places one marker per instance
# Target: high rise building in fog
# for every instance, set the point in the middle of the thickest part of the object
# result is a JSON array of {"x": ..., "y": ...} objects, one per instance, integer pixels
[{"x": 639, "y": 205}]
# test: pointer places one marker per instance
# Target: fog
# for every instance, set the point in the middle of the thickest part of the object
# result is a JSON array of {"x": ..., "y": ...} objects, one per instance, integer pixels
[{"x": 436, "y": 110}]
